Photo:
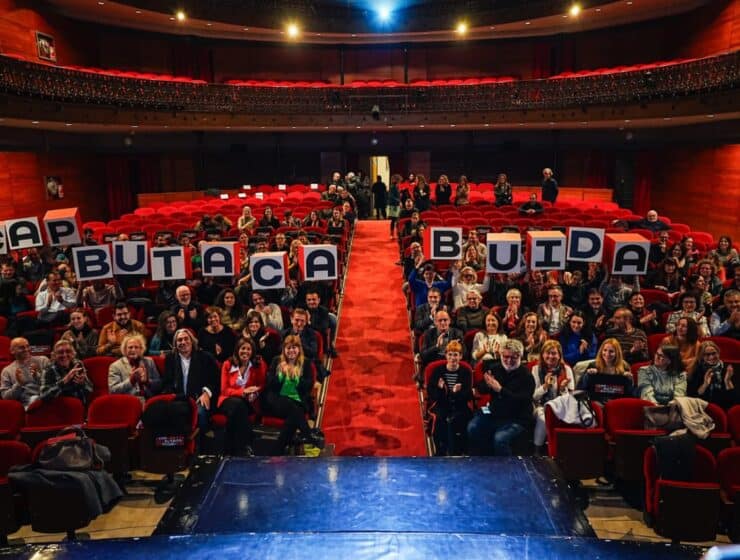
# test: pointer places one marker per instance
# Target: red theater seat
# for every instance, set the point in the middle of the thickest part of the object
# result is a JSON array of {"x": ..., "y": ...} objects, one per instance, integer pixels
[{"x": 12, "y": 419}]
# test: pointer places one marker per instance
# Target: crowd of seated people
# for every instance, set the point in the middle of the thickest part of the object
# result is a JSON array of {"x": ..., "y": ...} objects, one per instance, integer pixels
[
  {"x": 234, "y": 350},
  {"x": 648, "y": 336}
]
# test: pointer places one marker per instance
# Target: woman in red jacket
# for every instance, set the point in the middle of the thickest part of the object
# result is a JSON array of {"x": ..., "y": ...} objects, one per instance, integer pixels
[{"x": 242, "y": 382}]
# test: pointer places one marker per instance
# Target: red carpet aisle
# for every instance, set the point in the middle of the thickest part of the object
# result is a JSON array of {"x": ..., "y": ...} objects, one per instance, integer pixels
[{"x": 372, "y": 407}]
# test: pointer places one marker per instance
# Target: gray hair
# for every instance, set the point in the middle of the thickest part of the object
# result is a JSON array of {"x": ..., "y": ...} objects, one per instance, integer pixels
[{"x": 513, "y": 345}]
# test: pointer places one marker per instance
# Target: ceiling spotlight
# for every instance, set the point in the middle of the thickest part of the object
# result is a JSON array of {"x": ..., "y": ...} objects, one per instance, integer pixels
[
  {"x": 293, "y": 30},
  {"x": 462, "y": 28},
  {"x": 384, "y": 13},
  {"x": 575, "y": 9},
  {"x": 180, "y": 15}
]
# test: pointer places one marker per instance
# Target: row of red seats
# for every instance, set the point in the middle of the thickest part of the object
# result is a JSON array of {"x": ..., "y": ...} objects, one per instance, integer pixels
[{"x": 620, "y": 69}]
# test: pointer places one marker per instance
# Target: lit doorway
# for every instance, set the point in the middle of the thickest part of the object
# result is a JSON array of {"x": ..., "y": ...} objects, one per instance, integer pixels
[{"x": 379, "y": 165}]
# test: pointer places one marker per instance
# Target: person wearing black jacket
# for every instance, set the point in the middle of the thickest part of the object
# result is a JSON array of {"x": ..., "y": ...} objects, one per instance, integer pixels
[
  {"x": 449, "y": 393},
  {"x": 510, "y": 410},
  {"x": 190, "y": 372}
]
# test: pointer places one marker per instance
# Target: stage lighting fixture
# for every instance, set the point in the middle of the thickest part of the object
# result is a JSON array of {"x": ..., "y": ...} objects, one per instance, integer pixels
[
  {"x": 375, "y": 112},
  {"x": 575, "y": 9},
  {"x": 384, "y": 13},
  {"x": 293, "y": 31},
  {"x": 180, "y": 15},
  {"x": 462, "y": 28}
]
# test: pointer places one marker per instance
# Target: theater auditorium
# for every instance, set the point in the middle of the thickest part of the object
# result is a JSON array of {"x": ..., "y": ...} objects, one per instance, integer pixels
[{"x": 393, "y": 278}]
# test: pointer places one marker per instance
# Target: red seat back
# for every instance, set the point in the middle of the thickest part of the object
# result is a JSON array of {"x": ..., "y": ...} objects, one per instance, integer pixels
[
  {"x": 62, "y": 411},
  {"x": 625, "y": 414},
  {"x": 12, "y": 417},
  {"x": 115, "y": 409},
  {"x": 97, "y": 371},
  {"x": 13, "y": 453}
]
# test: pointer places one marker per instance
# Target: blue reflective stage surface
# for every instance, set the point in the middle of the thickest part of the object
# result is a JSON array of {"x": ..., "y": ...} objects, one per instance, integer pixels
[
  {"x": 500, "y": 496},
  {"x": 357, "y": 546}
]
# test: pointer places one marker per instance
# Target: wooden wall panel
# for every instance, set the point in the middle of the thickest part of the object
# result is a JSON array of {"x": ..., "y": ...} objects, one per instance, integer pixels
[
  {"x": 22, "y": 176},
  {"x": 700, "y": 187}
]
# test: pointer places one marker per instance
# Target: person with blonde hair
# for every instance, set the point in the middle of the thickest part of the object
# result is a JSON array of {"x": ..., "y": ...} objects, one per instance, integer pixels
[
  {"x": 133, "y": 373},
  {"x": 713, "y": 379},
  {"x": 608, "y": 377},
  {"x": 290, "y": 380},
  {"x": 552, "y": 378}
]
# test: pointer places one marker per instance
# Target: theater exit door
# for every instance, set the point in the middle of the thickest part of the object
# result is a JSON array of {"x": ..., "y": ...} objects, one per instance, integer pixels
[{"x": 380, "y": 165}]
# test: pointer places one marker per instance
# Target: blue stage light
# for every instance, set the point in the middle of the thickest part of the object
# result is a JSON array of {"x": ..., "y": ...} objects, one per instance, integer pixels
[{"x": 384, "y": 13}]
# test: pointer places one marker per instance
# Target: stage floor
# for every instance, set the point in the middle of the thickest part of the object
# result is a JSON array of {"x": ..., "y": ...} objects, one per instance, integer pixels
[
  {"x": 500, "y": 496},
  {"x": 368, "y": 508}
]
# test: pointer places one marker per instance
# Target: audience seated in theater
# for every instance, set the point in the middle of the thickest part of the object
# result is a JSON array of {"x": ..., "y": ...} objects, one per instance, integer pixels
[
  {"x": 288, "y": 394},
  {"x": 488, "y": 342},
  {"x": 321, "y": 319},
  {"x": 336, "y": 224},
  {"x": 20, "y": 380},
  {"x": 33, "y": 265},
  {"x": 414, "y": 260},
  {"x": 683, "y": 264},
  {"x": 98, "y": 294},
  {"x": 350, "y": 216},
  {"x": 300, "y": 327},
  {"x": 266, "y": 346},
  {"x": 474, "y": 241},
  {"x": 289, "y": 220},
  {"x": 632, "y": 341},
  {"x": 190, "y": 372},
  {"x": 10, "y": 285},
  {"x": 689, "y": 251},
  {"x": 713, "y": 380},
  {"x": 163, "y": 340},
  {"x": 65, "y": 376},
  {"x": 216, "y": 339},
  {"x": 464, "y": 281},
  {"x": 233, "y": 313},
  {"x": 113, "y": 333},
  {"x": 502, "y": 191},
  {"x": 411, "y": 228},
  {"x": 419, "y": 288},
  {"x": 346, "y": 196},
  {"x": 549, "y": 186},
  {"x": 535, "y": 286},
  {"x": 166, "y": 293},
  {"x": 472, "y": 259},
  {"x": 734, "y": 285},
  {"x": 246, "y": 222},
  {"x": 443, "y": 191},
  {"x": 512, "y": 313},
  {"x": 552, "y": 378},
  {"x": 726, "y": 320},
  {"x": 437, "y": 337},
  {"x": 649, "y": 222},
  {"x": 608, "y": 377},
  {"x": 725, "y": 255},
  {"x": 509, "y": 413},
  {"x": 393, "y": 203},
  {"x": 313, "y": 219},
  {"x": 688, "y": 308},
  {"x": 595, "y": 313},
  {"x": 666, "y": 277},
  {"x": 531, "y": 334},
  {"x": 268, "y": 219},
  {"x": 189, "y": 313},
  {"x": 449, "y": 393},
  {"x": 707, "y": 270},
  {"x": 553, "y": 313},
  {"x": 407, "y": 210},
  {"x": 205, "y": 223},
  {"x": 425, "y": 313},
  {"x": 577, "y": 341},
  {"x": 531, "y": 207},
  {"x": 82, "y": 336},
  {"x": 472, "y": 315},
  {"x": 659, "y": 250},
  {"x": 686, "y": 339},
  {"x": 643, "y": 317},
  {"x": 616, "y": 291},
  {"x": 206, "y": 288},
  {"x": 462, "y": 192},
  {"x": 664, "y": 379},
  {"x": 133, "y": 373},
  {"x": 242, "y": 386},
  {"x": 53, "y": 302},
  {"x": 696, "y": 285},
  {"x": 422, "y": 194}
]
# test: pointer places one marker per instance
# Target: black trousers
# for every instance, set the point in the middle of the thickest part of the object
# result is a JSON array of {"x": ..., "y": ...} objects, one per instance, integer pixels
[
  {"x": 294, "y": 414},
  {"x": 239, "y": 432}
]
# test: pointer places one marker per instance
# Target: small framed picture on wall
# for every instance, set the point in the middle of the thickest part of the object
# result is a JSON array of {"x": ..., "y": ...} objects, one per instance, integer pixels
[
  {"x": 53, "y": 187},
  {"x": 45, "y": 47}
]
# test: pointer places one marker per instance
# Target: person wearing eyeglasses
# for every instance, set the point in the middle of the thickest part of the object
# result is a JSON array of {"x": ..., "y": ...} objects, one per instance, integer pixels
[
  {"x": 509, "y": 412},
  {"x": 713, "y": 380},
  {"x": 664, "y": 379},
  {"x": 554, "y": 313},
  {"x": 66, "y": 375}
]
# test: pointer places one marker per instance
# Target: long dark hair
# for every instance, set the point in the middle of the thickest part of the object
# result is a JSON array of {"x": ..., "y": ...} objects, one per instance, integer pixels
[
  {"x": 674, "y": 356},
  {"x": 585, "y": 331},
  {"x": 235, "y": 360}
]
